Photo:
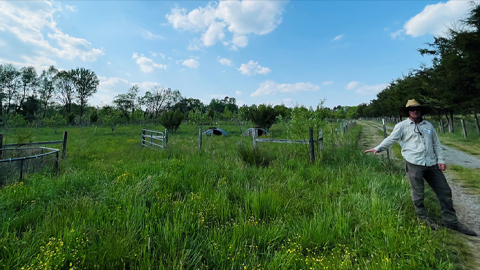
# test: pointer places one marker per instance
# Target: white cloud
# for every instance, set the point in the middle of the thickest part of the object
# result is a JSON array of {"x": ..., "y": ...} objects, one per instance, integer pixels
[
  {"x": 71, "y": 8},
  {"x": 109, "y": 63},
  {"x": 213, "y": 34},
  {"x": 238, "y": 93},
  {"x": 327, "y": 83},
  {"x": 147, "y": 65},
  {"x": 398, "y": 33},
  {"x": 366, "y": 89},
  {"x": 337, "y": 38},
  {"x": 195, "y": 45},
  {"x": 147, "y": 86},
  {"x": 108, "y": 88},
  {"x": 352, "y": 85},
  {"x": 225, "y": 62},
  {"x": 109, "y": 82},
  {"x": 240, "y": 18},
  {"x": 253, "y": 68},
  {"x": 271, "y": 88},
  {"x": 29, "y": 22},
  {"x": 191, "y": 63},
  {"x": 149, "y": 36},
  {"x": 38, "y": 62},
  {"x": 435, "y": 19}
]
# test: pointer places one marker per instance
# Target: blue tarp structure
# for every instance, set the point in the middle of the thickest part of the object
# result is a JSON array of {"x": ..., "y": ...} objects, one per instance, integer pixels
[
  {"x": 215, "y": 131},
  {"x": 260, "y": 132}
]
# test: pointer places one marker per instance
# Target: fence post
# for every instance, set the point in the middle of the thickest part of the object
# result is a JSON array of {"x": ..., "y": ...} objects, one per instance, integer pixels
[
  {"x": 56, "y": 161},
  {"x": 464, "y": 128},
  {"x": 166, "y": 137},
  {"x": 64, "y": 147},
  {"x": 320, "y": 140},
  {"x": 254, "y": 137},
  {"x": 151, "y": 139},
  {"x": 311, "y": 142},
  {"x": 1, "y": 145},
  {"x": 200, "y": 138},
  {"x": 385, "y": 135},
  {"x": 21, "y": 170},
  {"x": 143, "y": 135}
]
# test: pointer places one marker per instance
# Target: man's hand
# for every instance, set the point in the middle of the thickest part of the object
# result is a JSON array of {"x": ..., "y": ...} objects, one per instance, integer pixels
[
  {"x": 374, "y": 151},
  {"x": 442, "y": 167}
]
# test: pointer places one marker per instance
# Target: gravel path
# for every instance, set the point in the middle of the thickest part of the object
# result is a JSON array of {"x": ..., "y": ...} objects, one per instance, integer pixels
[{"x": 467, "y": 205}]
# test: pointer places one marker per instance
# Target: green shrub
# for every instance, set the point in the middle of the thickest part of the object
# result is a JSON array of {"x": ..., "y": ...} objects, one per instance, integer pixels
[
  {"x": 263, "y": 116},
  {"x": 171, "y": 120},
  {"x": 254, "y": 156}
]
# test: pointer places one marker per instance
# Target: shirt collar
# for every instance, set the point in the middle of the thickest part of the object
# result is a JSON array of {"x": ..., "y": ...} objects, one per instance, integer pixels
[{"x": 412, "y": 122}]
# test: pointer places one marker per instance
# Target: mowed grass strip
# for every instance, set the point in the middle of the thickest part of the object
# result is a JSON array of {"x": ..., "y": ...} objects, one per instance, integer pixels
[{"x": 115, "y": 205}]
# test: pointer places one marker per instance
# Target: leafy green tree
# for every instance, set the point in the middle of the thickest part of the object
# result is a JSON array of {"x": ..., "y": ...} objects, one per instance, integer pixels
[
  {"x": 65, "y": 89},
  {"x": 94, "y": 116},
  {"x": 11, "y": 85},
  {"x": 71, "y": 118},
  {"x": 86, "y": 83},
  {"x": 55, "y": 122},
  {"x": 29, "y": 80},
  {"x": 127, "y": 102},
  {"x": 46, "y": 89},
  {"x": 263, "y": 116},
  {"x": 112, "y": 119},
  {"x": 171, "y": 120},
  {"x": 29, "y": 108}
]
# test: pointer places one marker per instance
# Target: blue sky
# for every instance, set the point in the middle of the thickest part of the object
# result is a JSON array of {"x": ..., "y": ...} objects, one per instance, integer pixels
[{"x": 273, "y": 52}]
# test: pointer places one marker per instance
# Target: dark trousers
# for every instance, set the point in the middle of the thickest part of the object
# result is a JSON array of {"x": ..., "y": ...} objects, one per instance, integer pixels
[{"x": 435, "y": 178}]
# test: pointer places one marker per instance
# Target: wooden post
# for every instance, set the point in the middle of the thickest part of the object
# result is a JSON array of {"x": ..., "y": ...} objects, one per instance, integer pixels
[
  {"x": 320, "y": 140},
  {"x": 200, "y": 138},
  {"x": 64, "y": 146},
  {"x": 254, "y": 137},
  {"x": 21, "y": 170},
  {"x": 464, "y": 128},
  {"x": 1, "y": 145},
  {"x": 151, "y": 139},
  {"x": 385, "y": 135},
  {"x": 166, "y": 137},
  {"x": 143, "y": 136},
  {"x": 56, "y": 161},
  {"x": 311, "y": 142}
]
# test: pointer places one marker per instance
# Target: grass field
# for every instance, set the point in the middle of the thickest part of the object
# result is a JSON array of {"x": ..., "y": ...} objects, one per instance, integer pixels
[{"x": 115, "y": 205}]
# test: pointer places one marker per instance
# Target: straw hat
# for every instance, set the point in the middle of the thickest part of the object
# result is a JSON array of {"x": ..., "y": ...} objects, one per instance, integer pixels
[{"x": 412, "y": 104}]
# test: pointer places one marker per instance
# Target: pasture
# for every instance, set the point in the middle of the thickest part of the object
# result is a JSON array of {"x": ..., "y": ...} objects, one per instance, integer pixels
[{"x": 116, "y": 205}]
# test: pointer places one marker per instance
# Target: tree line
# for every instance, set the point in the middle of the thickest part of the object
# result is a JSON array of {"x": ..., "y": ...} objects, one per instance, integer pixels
[
  {"x": 450, "y": 85},
  {"x": 57, "y": 97}
]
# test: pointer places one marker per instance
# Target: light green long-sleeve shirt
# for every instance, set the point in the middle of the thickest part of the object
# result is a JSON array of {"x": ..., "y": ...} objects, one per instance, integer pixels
[{"x": 424, "y": 150}]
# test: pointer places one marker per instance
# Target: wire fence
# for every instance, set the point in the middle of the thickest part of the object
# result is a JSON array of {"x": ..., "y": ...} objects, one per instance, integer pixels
[{"x": 16, "y": 162}]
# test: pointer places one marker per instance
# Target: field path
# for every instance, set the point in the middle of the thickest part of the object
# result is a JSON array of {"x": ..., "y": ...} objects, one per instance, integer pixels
[{"x": 467, "y": 204}]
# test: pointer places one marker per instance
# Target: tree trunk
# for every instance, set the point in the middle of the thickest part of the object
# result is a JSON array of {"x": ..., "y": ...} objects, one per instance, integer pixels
[
  {"x": 476, "y": 120},
  {"x": 451, "y": 128}
]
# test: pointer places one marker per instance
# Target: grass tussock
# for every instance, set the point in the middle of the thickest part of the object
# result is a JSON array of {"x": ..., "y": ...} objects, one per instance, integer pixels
[{"x": 254, "y": 155}]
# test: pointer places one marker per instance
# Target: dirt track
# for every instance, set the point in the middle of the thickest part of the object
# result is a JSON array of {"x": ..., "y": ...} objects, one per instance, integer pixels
[{"x": 466, "y": 204}]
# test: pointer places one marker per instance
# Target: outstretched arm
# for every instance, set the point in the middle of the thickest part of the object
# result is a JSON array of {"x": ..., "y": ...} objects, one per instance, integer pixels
[{"x": 387, "y": 142}]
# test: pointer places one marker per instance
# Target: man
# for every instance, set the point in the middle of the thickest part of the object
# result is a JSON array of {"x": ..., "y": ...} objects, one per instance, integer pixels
[{"x": 423, "y": 154}]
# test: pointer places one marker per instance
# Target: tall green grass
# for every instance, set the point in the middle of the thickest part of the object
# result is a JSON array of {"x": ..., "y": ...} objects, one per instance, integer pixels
[{"x": 115, "y": 205}]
